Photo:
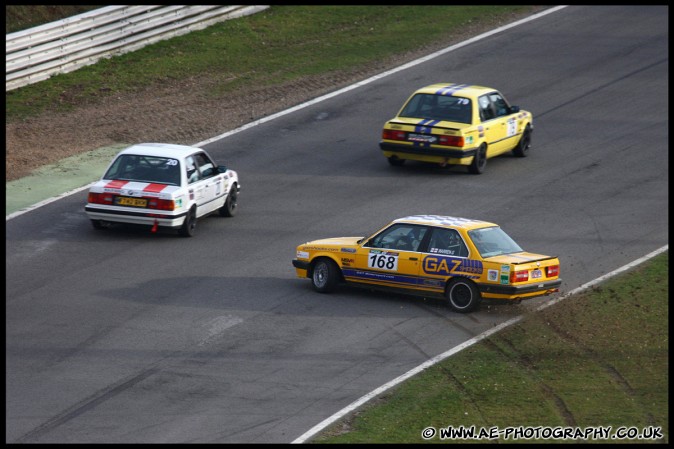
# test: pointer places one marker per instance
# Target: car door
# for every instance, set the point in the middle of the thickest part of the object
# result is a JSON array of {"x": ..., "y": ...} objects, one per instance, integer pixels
[
  {"x": 195, "y": 187},
  {"x": 500, "y": 124},
  {"x": 210, "y": 184},
  {"x": 392, "y": 257},
  {"x": 446, "y": 256}
]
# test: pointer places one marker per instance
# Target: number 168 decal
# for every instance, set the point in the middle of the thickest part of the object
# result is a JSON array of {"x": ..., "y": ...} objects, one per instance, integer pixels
[{"x": 383, "y": 260}]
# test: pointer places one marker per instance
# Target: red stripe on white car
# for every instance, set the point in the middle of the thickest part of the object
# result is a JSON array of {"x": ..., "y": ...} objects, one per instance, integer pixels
[
  {"x": 155, "y": 188},
  {"x": 117, "y": 184}
]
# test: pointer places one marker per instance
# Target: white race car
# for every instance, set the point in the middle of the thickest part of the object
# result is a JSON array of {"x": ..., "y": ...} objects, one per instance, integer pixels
[{"x": 159, "y": 184}]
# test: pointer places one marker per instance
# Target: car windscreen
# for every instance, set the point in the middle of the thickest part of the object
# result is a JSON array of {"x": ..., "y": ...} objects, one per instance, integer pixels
[
  {"x": 438, "y": 107},
  {"x": 152, "y": 169},
  {"x": 493, "y": 241}
]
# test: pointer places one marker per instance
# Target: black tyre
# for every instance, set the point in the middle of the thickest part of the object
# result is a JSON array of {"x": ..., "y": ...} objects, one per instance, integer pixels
[
  {"x": 479, "y": 161},
  {"x": 325, "y": 275},
  {"x": 524, "y": 144},
  {"x": 463, "y": 295},
  {"x": 189, "y": 227},
  {"x": 395, "y": 161},
  {"x": 97, "y": 224},
  {"x": 230, "y": 207}
]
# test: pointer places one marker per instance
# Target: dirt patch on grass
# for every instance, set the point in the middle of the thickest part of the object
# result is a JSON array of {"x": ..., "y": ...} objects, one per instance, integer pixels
[{"x": 182, "y": 112}]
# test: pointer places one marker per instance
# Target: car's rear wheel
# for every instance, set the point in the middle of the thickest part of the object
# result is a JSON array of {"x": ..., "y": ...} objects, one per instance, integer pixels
[
  {"x": 395, "y": 161},
  {"x": 479, "y": 161},
  {"x": 189, "y": 227},
  {"x": 463, "y": 295},
  {"x": 523, "y": 145},
  {"x": 325, "y": 275},
  {"x": 231, "y": 204}
]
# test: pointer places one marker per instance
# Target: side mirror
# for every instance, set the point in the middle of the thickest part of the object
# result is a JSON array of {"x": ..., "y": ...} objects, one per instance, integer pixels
[
  {"x": 514, "y": 109},
  {"x": 222, "y": 168}
]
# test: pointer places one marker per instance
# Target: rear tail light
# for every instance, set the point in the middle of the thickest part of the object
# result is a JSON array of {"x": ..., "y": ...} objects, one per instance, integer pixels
[
  {"x": 552, "y": 271},
  {"x": 152, "y": 203},
  {"x": 390, "y": 134},
  {"x": 100, "y": 198},
  {"x": 156, "y": 203},
  {"x": 519, "y": 276},
  {"x": 451, "y": 141}
]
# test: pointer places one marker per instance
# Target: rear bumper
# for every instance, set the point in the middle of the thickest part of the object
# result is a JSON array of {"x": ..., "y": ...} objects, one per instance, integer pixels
[
  {"x": 141, "y": 218},
  {"x": 410, "y": 151},
  {"x": 520, "y": 291}
]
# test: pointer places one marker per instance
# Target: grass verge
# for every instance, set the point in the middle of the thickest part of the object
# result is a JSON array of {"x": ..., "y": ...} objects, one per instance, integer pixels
[
  {"x": 274, "y": 46},
  {"x": 597, "y": 359}
]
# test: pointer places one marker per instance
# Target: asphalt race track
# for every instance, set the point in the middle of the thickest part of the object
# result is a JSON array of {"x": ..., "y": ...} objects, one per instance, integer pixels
[{"x": 123, "y": 336}]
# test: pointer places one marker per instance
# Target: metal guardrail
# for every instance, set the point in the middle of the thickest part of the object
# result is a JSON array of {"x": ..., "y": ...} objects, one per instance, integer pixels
[{"x": 37, "y": 53}]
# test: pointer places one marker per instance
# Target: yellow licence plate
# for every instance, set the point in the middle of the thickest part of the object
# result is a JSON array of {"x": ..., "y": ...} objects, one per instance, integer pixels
[{"x": 133, "y": 202}]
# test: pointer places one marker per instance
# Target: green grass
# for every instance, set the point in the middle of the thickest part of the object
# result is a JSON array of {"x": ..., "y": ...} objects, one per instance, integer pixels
[
  {"x": 599, "y": 358},
  {"x": 274, "y": 46}
]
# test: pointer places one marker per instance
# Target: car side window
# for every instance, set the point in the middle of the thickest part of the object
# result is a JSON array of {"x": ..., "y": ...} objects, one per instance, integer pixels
[
  {"x": 191, "y": 170},
  {"x": 403, "y": 237},
  {"x": 500, "y": 105},
  {"x": 206, "y": 167},
  {"x": 486, "y": 110},
  {"x": 447, "y": 242}
]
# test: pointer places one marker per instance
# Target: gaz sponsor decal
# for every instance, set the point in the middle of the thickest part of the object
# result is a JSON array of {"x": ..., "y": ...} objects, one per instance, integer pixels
[
  {"x": 492, "y": 275},
  {"x": 451, "y": 266},
  {"x": 383, "y": 260}
]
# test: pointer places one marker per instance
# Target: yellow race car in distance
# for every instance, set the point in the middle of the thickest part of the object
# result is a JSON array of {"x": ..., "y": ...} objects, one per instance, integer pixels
[
  {"x": 460, "y": 259},
  {"x": 456, "y": 124}
]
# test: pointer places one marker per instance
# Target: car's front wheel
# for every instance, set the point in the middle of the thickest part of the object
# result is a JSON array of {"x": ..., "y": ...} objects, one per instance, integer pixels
[
  {"x": 479, "y": 161},
  {"x": 463, "y": 295},
  {"x": 524, "y": 144},
  {"x": 231, "y": 204},
  {"x": 189, "y": 227},
  {"x": 325, "y": 275}
]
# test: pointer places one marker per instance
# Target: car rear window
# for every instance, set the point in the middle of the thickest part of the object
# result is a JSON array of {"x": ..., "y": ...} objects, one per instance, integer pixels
[
  {"x": 151, "y": 169},
  {"x": 493, "y": 241},
  {"x": 439, "y": 107}
]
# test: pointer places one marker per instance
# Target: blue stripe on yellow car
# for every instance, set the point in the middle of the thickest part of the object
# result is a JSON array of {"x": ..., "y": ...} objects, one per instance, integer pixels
[
  {"x": 388, "y": 278},
  {"x": 451, "y": 89},
  {"x": 425, "y": 126},
  {"x": 399, "y": 280}
]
